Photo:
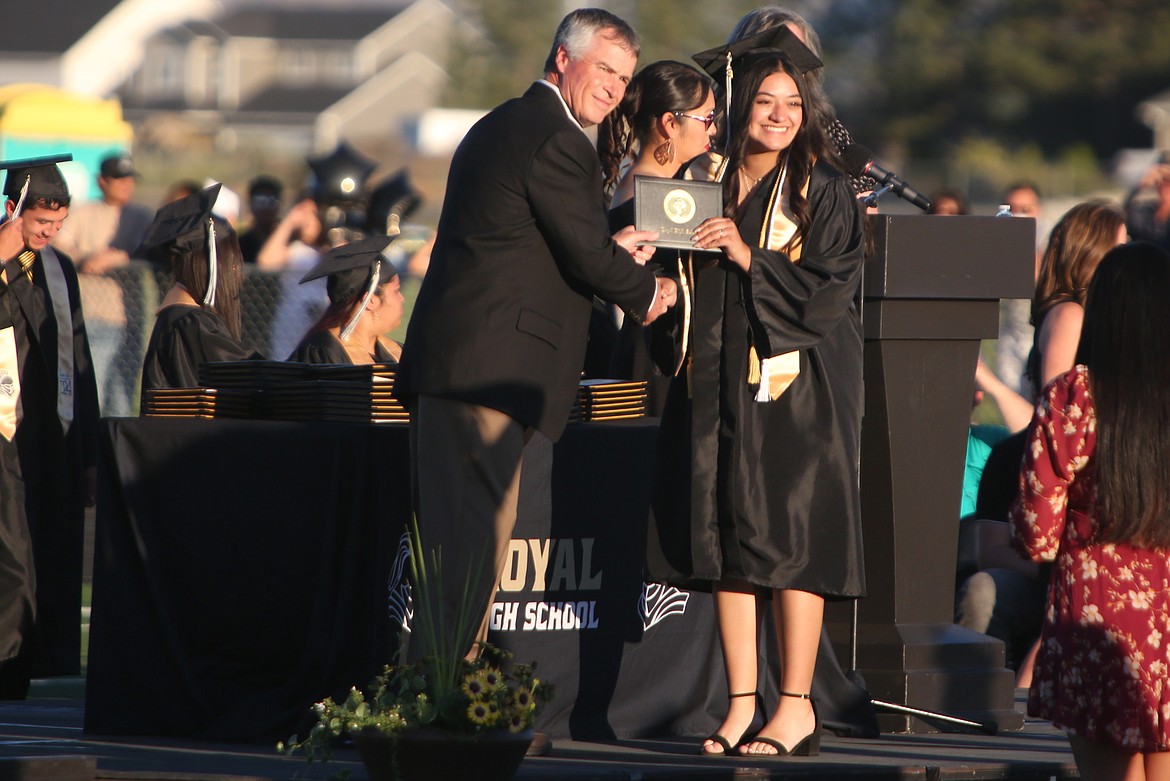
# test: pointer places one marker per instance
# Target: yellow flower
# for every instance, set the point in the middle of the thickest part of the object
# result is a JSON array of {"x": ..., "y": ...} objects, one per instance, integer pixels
[
  {"x": 522, "y": 699},
  {"x": 480, "y": 713},
  {"x": 473, "y": 687}
]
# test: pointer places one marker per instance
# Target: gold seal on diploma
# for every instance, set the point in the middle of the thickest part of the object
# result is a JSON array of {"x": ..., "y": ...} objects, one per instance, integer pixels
[{"x": 679, "y": 206}]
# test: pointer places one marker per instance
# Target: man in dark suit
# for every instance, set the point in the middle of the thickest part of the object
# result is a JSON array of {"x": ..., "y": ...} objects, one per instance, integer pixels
[{"x": 497, "y": 337}]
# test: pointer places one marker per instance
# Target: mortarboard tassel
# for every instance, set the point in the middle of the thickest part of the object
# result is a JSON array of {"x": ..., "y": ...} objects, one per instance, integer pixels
[
  {"x": 212, "y": 265},
  {"x": 23, "y": 195},
  {"x": 361, "y": 310},
  {"x": 727, "y": 110}
]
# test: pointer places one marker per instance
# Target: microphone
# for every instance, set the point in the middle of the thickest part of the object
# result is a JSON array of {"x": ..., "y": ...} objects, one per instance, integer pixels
[{"x": 859, "y": 162}]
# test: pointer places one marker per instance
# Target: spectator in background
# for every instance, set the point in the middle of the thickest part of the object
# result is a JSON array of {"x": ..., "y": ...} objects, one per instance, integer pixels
[
  {"x": 1147, "y": 207},
  {"x": 264, "y": 194},
  {"x": 1000, "y": 597},
  {"x": 1015, "y": 314},
  {"x": 948, "y": 203},
  {"x": 180, "y": 189},
  {"x": 294, "y": 247},
  {"x": 99, "y": 236}
]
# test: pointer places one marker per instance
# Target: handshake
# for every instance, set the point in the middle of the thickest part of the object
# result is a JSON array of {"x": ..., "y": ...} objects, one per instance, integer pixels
[{"x": 637, "y": 243}]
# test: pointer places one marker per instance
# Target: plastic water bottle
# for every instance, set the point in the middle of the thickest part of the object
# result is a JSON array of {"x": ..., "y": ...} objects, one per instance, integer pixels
[{"x": 1005, "y": 210}]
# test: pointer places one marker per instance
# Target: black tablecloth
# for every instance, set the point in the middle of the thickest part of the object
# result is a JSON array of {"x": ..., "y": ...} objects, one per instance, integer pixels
[{"x": 245, "y": 569}]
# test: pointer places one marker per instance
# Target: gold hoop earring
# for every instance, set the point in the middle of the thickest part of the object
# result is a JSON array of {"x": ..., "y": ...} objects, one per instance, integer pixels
[{"x": 664, "y": 153}]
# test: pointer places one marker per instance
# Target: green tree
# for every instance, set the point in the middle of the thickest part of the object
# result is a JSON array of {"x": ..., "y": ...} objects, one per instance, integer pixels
[
  {"x": 506, "y": 51},
  {"x": 1057, "y": 73},
  {"x": 501, "y": 54}
]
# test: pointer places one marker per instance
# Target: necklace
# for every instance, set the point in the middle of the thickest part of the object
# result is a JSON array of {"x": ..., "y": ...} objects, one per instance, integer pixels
[{"x": 752, "y": 180}]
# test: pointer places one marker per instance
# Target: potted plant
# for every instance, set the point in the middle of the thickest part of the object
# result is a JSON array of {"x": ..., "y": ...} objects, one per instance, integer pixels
[{"x": 448, "y": 715}]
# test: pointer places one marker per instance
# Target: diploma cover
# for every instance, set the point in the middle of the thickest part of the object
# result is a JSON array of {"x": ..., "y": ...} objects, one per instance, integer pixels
[{"x": 674, "y": 208}]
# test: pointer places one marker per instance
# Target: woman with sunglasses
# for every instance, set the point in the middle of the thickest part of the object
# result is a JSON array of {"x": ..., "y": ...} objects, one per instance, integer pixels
[{"x": 666, "y": 119}]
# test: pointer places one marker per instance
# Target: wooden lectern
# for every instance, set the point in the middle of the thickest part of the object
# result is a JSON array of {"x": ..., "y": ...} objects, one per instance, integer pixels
[{"x": 931, "y": 293}]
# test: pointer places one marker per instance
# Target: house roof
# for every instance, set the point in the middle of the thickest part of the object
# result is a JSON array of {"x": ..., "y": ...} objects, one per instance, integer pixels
[
  {"x": 350, "y": 25},
  {"x": 310, "y": 100},
  {"x": 49, "y": 26}
]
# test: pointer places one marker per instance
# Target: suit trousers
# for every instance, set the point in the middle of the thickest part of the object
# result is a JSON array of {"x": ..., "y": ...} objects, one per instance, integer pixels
[{"x": 465, "y": 463}]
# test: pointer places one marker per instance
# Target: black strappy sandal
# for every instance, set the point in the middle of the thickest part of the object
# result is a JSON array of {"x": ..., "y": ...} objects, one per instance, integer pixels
[
  {"x": 728, "y": 750},
  {"x": 809, "y": 746}
]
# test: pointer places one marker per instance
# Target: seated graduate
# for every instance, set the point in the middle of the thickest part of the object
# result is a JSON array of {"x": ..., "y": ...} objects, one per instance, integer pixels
[
  {"x": 365, "y": 302},
  {"x": 199, "y": 318}
]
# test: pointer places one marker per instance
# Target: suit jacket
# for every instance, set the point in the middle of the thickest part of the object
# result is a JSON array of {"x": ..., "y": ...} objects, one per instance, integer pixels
[{"x": 521, "y": 249}]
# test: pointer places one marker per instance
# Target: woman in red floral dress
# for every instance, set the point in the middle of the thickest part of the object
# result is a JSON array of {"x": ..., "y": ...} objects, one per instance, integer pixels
[{"x": 1095, "y": 500}]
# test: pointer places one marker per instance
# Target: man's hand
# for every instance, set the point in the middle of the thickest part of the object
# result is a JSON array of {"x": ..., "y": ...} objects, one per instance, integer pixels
[
  {"x": 637, "y": 243},
  {"x": 11, "y": 238},
  {"x": 664, "y": 298}
]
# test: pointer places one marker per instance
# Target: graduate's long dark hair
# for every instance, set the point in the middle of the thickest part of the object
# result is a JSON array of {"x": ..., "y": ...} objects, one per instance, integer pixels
[
  {"x": 660, "y": 88},
  {"x": 810, "y": 144},
  {"x": 1125, "y": 343},
  {"x": 189, "y": 268}
]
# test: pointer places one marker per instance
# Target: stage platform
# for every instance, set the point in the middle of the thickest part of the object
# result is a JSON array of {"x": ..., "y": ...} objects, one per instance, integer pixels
[{"x": 43, "y": 739}]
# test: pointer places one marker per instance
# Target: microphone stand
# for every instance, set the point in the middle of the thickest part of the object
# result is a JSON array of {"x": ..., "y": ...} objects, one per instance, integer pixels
[{"x": 871, "y": 200}]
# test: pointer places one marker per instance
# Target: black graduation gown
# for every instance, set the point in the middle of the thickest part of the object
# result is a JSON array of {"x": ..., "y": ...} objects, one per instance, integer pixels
[
  {"x": 322, "y": 347},
  {"x": 43, "y": 487},
  {"x": 633, "y": 352},
  {"x": 767, "y": 492},
  {"x": 186, "y": 336}
]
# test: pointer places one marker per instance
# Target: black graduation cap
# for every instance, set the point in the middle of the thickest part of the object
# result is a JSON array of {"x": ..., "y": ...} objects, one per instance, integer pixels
[
  {"x": 42, "y": 174},
  {"x": 390, "y": 202},
  {"x": 181, "y": 223},
  {"x": 187, "y": 225},
  {"x": 340, "y": 176},
  {"x": 350, "y": 267},
  {"x": 722, "y": 61},
  {"x": 777, "y": 41}
]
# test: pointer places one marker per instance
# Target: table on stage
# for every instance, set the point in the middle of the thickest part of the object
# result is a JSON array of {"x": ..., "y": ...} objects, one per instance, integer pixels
[{"x": 242, "y": 571}]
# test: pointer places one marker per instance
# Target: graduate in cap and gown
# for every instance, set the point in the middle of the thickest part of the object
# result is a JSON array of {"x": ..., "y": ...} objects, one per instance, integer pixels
[
  {"x": 756, "y": 492},
  {"x": 199, "y": 318},
  {"x": 365, "y": 302},
  {"x": 48, "y": 432}
]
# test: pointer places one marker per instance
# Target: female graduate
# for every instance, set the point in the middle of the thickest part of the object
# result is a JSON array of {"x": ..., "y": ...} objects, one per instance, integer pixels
[
  {"x": 365, "y": 302},
  {"x": 765, "y": 419},
  {"x": 665, "y": 120},
  {"x": 199, "y": 318}
]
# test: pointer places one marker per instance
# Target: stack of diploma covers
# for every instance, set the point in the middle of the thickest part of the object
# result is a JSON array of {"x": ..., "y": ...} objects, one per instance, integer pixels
[
  {"x": 283, "y": 390},
  {"x": 609, "y": 400}
]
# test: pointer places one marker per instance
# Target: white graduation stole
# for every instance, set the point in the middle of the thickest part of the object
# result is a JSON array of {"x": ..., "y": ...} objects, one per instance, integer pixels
[
  {"x": 63, "y": 313},
  {"x": 9, "y": 384},
  {"x": 774, "y": 374}
]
